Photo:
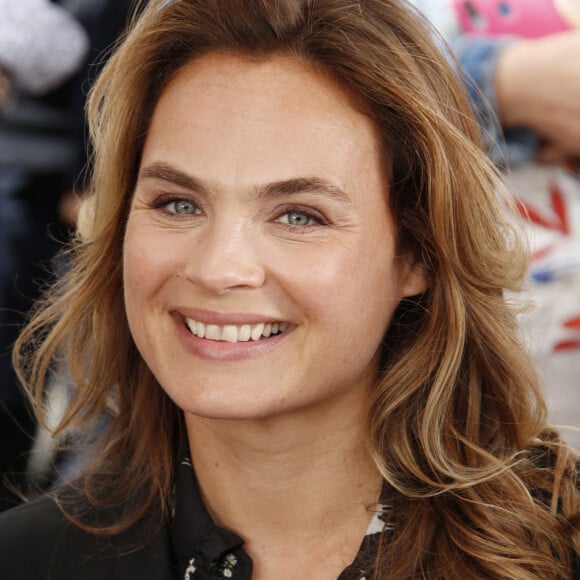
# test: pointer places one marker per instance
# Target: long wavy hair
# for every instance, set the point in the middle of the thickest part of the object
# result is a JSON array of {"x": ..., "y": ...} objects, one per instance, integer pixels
[{"x": 481, "y": 486}]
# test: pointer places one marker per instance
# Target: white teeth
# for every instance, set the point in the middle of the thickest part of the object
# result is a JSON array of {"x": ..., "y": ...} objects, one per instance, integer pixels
[
  {"x": 197, "y": 328},
  {"x": 257, "y": 331},
  {"x": 213, "y": 332},
  {"x": 245, "y": 333},
  {"x": 229, "y": 333},
  {"x": 233, "y": 333}
]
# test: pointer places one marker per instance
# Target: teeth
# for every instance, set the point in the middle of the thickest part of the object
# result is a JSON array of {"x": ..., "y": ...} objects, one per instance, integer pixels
[
  {"x": 229, "y": 333},
  {"x": 233, "y": 333},
  {"x": 256, "y": 332},
  {"x": 197, "y": 328},
  {"x": 213, "y": 332},
  {"x": 245, "y": 333}
]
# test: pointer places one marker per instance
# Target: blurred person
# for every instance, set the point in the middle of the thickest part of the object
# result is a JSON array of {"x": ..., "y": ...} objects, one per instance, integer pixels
[
  {"x": 526, "y": 91},
  {"x": 104, "y": 22},
  {"x": 4, "y": 86},
  {"x": 287, "y": 293},
  {"x": 517, "y": 57},
  {"x": 41, "y": 46},
  {"x": 538, "y": 88}
]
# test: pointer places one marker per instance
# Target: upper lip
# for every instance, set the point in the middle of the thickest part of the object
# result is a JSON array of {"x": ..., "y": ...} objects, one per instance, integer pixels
[{"x": 224, "y": 318}]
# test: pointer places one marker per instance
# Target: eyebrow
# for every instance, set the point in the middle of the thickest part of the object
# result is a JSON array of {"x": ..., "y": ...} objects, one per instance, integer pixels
[
  {"x": 167, "y": 173},
  {"x": 282, "y": 188}
]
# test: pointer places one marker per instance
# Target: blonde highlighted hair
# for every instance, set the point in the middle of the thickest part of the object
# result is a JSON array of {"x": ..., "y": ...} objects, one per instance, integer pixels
[{"x": 480, "y": 486}]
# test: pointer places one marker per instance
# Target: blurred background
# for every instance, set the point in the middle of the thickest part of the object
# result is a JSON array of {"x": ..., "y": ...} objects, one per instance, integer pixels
[{"x": 50, "y": 53}]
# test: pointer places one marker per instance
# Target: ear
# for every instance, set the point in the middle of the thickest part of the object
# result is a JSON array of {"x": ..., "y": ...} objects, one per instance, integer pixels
[{"x": 415, "y": 279}]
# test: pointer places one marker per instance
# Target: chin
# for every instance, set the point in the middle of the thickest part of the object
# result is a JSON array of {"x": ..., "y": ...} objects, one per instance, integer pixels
[{"x": 228, "y": 408}]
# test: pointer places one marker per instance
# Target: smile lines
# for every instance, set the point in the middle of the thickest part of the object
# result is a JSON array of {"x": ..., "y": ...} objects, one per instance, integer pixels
[{"x": 235, "y": 333}]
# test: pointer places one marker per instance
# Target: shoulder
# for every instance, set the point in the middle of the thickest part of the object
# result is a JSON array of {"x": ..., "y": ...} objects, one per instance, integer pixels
[
  {"x": 29, "y": 535},
  {"x": 37, "y": 542}
]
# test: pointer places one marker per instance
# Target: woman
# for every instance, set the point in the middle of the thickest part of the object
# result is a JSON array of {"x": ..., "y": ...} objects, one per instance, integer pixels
[{"x": 290, "y": 282}]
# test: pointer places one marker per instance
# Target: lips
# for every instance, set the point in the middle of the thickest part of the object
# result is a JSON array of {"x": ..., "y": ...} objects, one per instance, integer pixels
[{"x": 234, "y": 332}]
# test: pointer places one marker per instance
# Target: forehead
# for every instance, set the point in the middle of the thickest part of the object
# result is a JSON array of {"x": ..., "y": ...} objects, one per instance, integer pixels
[
  {"x": 223, "y": 112},
  {"x": 276, "y": 75},
  {"x": 263, "y": 89}
]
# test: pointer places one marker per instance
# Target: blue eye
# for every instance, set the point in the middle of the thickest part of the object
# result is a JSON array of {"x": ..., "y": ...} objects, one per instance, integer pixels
[
  {"x": 182, "y": 206},
  {"x": 297, "y": 218}
]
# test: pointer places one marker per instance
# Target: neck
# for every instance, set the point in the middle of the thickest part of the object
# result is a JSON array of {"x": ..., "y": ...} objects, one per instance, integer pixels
[{"x": 299, "y": 480}]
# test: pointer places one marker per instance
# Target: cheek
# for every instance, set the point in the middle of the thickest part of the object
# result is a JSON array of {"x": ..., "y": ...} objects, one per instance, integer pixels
[
  {"x": 348, "y": 301},
  {"x": 148, "y": 262},
  {"x": 135, "y": 265},
  {"x": 343, "y": 286}
]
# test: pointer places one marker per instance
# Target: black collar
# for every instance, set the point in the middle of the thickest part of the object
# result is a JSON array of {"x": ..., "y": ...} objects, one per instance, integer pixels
[{"x": 204, "y": 551}]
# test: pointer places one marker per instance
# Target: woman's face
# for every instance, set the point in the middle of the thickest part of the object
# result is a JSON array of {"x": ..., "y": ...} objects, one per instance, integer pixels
[{"x": 260, "y": 258}]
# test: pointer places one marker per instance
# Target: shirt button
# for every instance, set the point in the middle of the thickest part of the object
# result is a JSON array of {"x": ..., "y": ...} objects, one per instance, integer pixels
[{"x": 231, "y": 560}]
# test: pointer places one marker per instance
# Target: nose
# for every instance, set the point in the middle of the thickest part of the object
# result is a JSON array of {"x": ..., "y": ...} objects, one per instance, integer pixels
[{"x": 225, "y": 256}]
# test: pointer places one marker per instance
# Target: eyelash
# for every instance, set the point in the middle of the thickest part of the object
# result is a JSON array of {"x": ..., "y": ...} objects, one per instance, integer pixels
[
  {"x": 164, "y": 201},
  {"x": 318, "y": 219},
  {"x": 313, "y": 215}
]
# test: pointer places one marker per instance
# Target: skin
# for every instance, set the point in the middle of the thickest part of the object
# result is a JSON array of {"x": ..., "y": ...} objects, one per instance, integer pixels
[
  {"x": 5, "y": 85},
  {"x": 538, "y": 87},
  {"x": 284, "y": 426},
  {"x": 570, "y": 11}
]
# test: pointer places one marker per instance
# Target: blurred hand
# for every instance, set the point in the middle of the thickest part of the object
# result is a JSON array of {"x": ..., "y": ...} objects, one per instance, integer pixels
[
  {"x": 538, "y": 87},
  {"x": 5, "y": 85},
  {"x": 68, "y": 208}
]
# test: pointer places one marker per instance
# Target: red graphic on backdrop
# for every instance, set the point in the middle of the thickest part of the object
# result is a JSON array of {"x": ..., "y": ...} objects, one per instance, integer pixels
[
  {"x": 572, "y": 343},
  {"x": 558, "y": 220}
]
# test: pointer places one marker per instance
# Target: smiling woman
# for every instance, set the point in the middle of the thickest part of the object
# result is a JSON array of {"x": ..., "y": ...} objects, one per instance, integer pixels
[
  {"x": 222, "y": 240},
  {"x": 287, "y": 294}
]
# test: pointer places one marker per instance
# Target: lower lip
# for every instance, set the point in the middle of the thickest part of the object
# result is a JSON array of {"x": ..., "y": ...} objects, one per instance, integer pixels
[{"x": 218, "y": 350}]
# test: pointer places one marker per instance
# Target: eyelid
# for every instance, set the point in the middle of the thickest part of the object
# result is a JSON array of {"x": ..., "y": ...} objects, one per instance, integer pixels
[
  {"x": 315, "y": 214},
  {"x": 163, "y": 200}
]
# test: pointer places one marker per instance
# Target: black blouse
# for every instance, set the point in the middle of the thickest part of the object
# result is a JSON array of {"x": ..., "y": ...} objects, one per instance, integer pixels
[
  {"x": 204, "y": 551},
  {"x": 37, "y": 542}
]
